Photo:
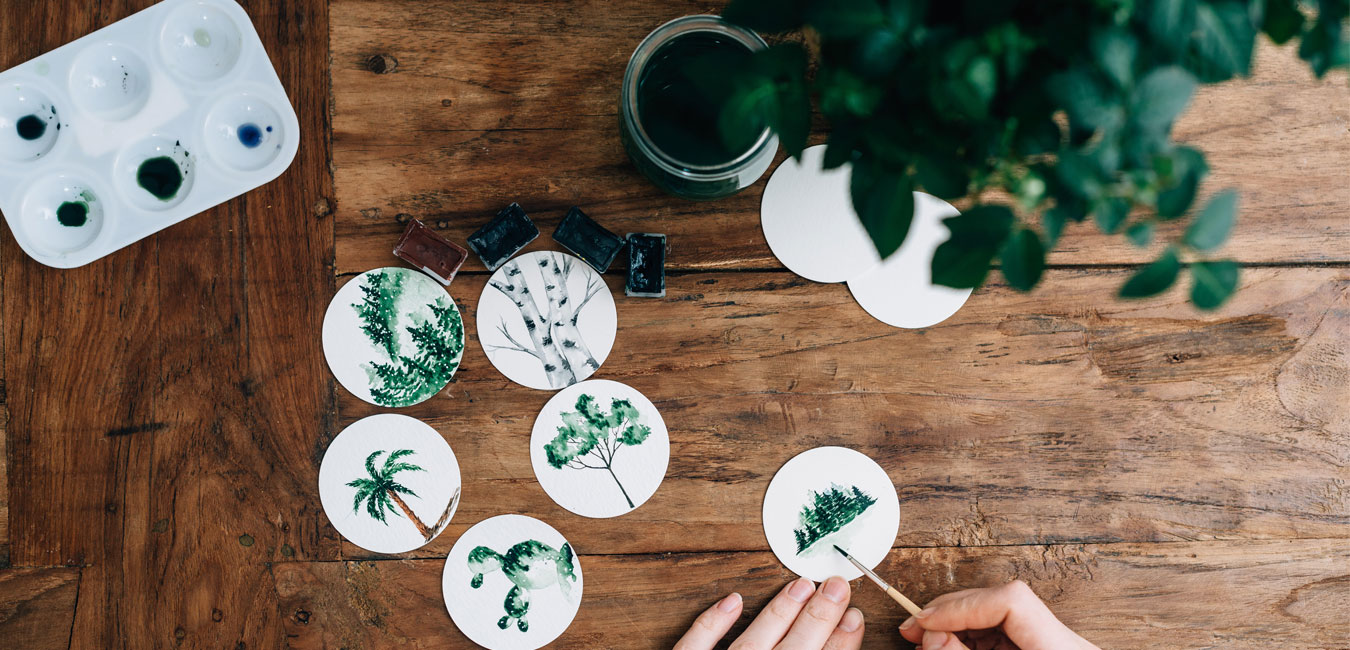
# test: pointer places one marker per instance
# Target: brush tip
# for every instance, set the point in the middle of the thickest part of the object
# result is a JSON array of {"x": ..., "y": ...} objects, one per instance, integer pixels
[{"x": 841, "y": 551}]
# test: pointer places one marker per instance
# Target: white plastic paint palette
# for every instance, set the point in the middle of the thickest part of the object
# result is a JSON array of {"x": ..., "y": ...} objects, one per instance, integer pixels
[{"x": 138, "y": 126}]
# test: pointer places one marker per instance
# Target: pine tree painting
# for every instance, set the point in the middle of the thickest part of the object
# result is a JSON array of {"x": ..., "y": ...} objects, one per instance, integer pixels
[
  {"x": 590, "y": 438},
  {"x": 554, "y": 339},
  {"x": 435, "y": 337},
  {"x": 828, "y": 512},
  {"x": 380, "y": 492}
]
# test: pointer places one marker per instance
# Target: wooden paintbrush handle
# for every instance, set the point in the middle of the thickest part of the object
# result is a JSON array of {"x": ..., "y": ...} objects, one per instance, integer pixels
[{"x": 911, "y": 607}]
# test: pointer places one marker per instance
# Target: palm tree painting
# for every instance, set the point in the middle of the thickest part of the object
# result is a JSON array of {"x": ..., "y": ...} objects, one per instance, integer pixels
[{"x": 381, "y": 494}]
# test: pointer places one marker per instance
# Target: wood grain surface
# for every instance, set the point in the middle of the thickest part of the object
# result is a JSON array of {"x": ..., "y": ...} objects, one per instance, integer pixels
[{"x": 1163, "y": 477}]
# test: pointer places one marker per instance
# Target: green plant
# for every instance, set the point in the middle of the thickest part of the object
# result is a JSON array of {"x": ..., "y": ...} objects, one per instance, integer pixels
[
  {"x": 1062, "y": 108},
  {"x": 828, "y": 512},
  {"x": 589, "y": 431},
  {"x": 378, "y": 491},
  {"x": 437, "y": 341}
]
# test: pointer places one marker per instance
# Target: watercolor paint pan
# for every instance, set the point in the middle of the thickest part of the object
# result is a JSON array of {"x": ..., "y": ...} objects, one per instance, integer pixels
[
  {"x": 588, "y": 240},
  {"x": 504, "y": 236},
  {"x": 646, "y": 265},
  {"x": 138, "y": 126},
  {"x": 435, "y": 255}
]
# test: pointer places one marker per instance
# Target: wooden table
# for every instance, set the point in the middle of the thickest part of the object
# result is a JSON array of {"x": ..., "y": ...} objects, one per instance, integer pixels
[{"x": 1163, "y": 477}]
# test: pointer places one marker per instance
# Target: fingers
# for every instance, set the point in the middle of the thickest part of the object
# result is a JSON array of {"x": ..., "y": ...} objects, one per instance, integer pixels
[
  {"x": 711, "y": 625},
  {"x": 776, "y": 618},
  {"x": 940, "y": 641},
  {"x": 1014, "y": 607},
  {"x": 848, "y": 635},
  {"x": 819, "y": 618}
]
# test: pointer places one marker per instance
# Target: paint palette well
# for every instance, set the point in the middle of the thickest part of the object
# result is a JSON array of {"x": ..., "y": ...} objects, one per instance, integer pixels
[{"x": 138, "y": 126}]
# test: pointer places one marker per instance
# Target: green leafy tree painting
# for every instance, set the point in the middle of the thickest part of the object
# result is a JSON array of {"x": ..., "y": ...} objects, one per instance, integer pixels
[
  {"x": 381, "y": 493},
  {"x": 589, "y": 437},
  {"x": 406, "y": 377},
  {"x": 828, "y": 512}
]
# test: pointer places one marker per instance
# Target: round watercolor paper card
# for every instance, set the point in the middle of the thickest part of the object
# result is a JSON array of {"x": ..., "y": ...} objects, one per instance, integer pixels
[
  {"x": 546, "y": 320},
  {"x": 809, "y": 222},
  {"x": 828, "y": 496},
  {"x": 599, "y": 448},
  {"x": 389, "y": 483},
  {"x": 901, "y": 292},
  {"x": 512, "y": 583},
  {"x": 393, "y": 337}
]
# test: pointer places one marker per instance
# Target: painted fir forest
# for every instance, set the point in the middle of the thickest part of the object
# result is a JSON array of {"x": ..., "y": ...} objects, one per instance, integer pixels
[
  {"x": 554, "y": 340},
  {"x": 590, "y": 438},
  {"x": 409, "y": 373},
  {"x": 828, "y": 512}
]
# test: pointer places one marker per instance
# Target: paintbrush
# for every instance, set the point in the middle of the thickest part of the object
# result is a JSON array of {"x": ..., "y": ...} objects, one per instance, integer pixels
[{"x": 890, "y": 591}]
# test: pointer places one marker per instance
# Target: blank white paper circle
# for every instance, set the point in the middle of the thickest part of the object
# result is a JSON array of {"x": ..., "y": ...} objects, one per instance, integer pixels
[
  {"x": 603, "y": 481},
  {"x": 518, "y": 556},
  {"x": 808, "y": 219},
  {"x": 901, "y": 292},
  {"x": 430, "y": 475},
  {"x": 801, "y": 482}
]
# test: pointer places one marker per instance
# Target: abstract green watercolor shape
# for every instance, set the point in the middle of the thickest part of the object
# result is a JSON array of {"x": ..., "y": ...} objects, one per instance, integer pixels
[
  {"x": 530, "y": 565},
  {"x": 590, "y": 431},
  {"x": 828, "y": 512}
]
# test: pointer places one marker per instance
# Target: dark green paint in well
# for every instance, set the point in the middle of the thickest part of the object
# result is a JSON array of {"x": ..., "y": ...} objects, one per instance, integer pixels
[
  {"x": 31, "y": 127},
  {"x": 73, "y": 214},
  {"x": 161, "y": 177}
]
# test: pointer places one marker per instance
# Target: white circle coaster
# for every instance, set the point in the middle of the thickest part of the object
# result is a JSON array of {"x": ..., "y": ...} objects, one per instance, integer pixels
[
  {"x": 599, "y": 448},
  {"x": 828, "y": 496},
  {"x": 512, "y": 583},
  {"x": 389, "y": 483},
  {"x": 546, "y": 320},
  {"x": 809, "y": 222},
  {"x": 901, "y": 292},
  {"x": 393, "y": 337}
]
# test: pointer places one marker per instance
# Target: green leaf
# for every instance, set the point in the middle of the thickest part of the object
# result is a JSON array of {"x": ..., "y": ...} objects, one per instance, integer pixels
[
  {"x": 770, "y": 16},
  {"x": 1323, "y": 45},
  {"x": 841, "y": 145},
  {"x": 1140, "y": 234},
  {"x": 942, "y": 176},
  {"x": 1089, "y": 102},
  {"x": 1114, "y": 51},
  {"x": 1161, "y": 96},
  {"x": 1154, "y": 278},
  {"x": 1052, "y": 221},
  {"x": 884, "y": 200},
  {"x": 1212, "y": 226},
  {"x": 1023, "y": 259},
  {"x": 1213, "y": 282},
  {"x": 1283, "y": 20},
  {"x": 963, "y": 260},
  {"x": 1110, "y": 214},
  {"x": 1079, "y": 174},
  {"x": 844, "y": 18},
  {"x": 1169, "y": 22},
  {"x": 1224, "y": 37},
  {"x": 1187, "y": 169},
  {"x": 877, "y": 53}
]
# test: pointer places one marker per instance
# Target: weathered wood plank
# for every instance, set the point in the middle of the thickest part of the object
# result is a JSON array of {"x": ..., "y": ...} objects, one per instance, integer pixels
[
  {"x": 37, "y": 607},
  {"x": 489, "y": 105},
  {"x": 161, "y": 395},
  {"x": 1248, "y": 594},
  {"x": 1050, "y": 417}
]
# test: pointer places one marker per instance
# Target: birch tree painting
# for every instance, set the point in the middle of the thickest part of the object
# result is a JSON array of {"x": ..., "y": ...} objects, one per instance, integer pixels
[{"x": 551, "y": 295}]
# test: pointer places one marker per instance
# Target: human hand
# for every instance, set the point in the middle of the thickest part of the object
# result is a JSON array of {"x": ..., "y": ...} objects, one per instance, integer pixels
[
  {"x": 1010, "y": 617},
  {"x": 800, "y": 617}
]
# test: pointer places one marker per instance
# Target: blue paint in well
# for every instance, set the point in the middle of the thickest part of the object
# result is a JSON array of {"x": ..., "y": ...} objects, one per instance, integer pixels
[{"x": 250, "y": 135}]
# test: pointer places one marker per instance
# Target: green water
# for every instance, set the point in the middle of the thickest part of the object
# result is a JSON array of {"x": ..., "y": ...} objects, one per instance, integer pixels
[
  {"x": 161, "y": 177},
  {"x": 680, "y": 94}
]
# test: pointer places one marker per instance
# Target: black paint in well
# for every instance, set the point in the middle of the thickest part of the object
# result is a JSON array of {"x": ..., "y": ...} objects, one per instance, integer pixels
[
  {"x": 646, "y": 265},
  {"x": 504, "y": 236},
  {"x": 587, "y": 239}
]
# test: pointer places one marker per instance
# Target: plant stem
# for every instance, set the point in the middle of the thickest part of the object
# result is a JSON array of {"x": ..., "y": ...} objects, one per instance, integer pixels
[
  {"x": 421, "y": 527},
  {"x": 625, "y": 492}
]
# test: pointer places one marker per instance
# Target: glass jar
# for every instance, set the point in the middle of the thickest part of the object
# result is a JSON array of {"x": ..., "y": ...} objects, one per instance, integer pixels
[{"x": 686, "y": 166}]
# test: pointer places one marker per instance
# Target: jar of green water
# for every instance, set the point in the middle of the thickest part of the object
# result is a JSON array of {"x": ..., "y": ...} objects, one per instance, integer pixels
[{"x": 668, "y": 110}]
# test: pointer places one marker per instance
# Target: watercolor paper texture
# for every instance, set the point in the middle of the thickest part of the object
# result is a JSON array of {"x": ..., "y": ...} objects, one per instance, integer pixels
[
  {"x": 827, "y": 496},
  {"x": 901, "y": 292},
  {"x": 389, "y": 483},
  {"x": 546, "y": 320},
  {"x": 599, "y": 448},
  {"x": 512, "y": 583},
  {"x": 809, "y": 222},
  {"x": 393, "y": 337}
]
